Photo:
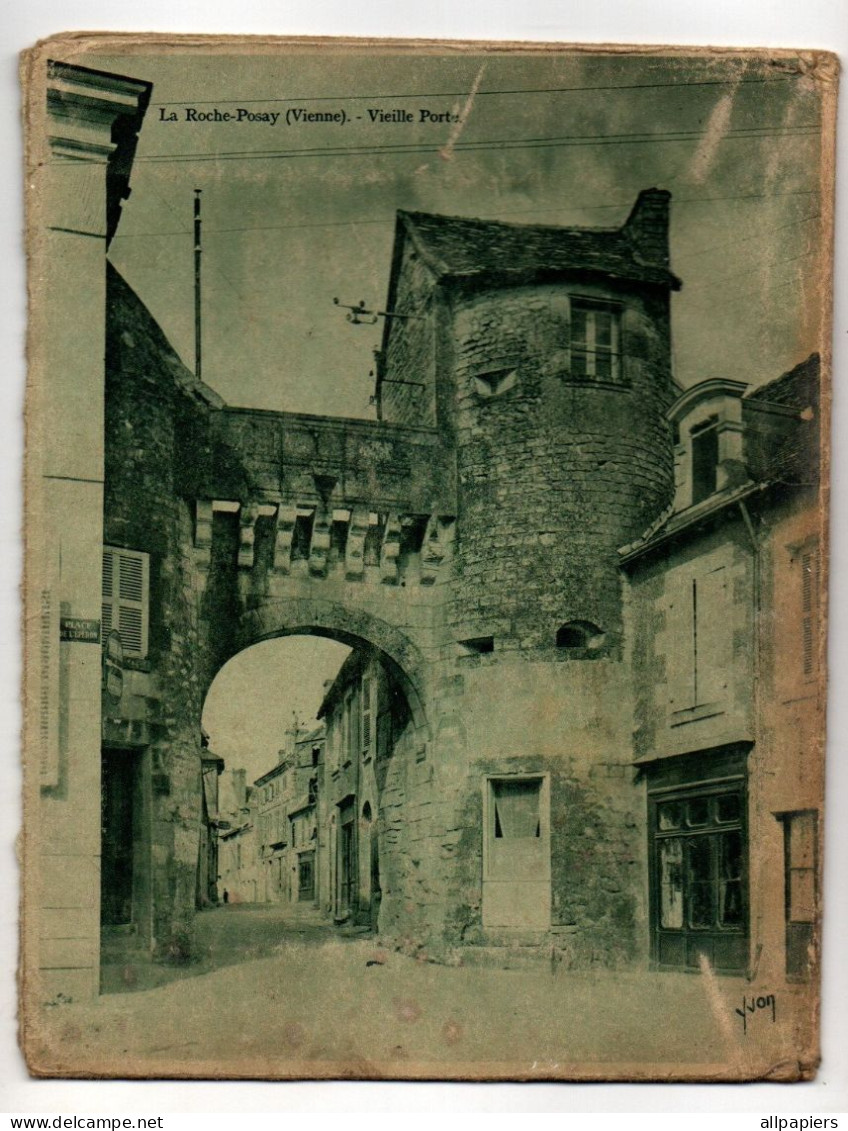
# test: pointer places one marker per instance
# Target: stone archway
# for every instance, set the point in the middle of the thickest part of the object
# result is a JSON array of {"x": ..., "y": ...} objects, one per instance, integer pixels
[
  {"x": 354, "y": 627},
  {"x": 361, "y": 802}
]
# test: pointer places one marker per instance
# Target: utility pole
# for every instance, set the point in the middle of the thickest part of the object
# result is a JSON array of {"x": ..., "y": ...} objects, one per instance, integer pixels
[{"x": 197, "y": 250}]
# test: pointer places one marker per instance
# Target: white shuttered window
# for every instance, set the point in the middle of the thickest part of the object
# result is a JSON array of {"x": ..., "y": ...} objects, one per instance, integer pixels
[
  {"x": 699, "y": 643},
  {"x": 126, "y": 587}
]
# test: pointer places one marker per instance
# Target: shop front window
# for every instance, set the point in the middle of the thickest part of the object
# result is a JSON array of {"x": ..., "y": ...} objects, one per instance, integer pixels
[{"x": 698, "y": 853}]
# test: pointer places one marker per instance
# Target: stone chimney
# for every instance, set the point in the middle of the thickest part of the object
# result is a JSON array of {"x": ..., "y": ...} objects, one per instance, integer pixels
[
  {"x": 292, "y": 735},
  {"x": 647, "y": 225}
]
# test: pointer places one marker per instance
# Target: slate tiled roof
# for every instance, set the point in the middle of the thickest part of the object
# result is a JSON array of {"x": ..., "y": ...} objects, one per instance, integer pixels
[
  {"x": 792, "y": 457},
  {"x": 784, "y": 458},
  {"x": 799, "y": 388},
  {"x": 460, "y": 248}
]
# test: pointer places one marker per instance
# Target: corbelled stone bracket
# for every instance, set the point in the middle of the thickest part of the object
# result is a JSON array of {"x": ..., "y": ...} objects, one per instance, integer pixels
[
  {"x": 437, "y": 538},
  {"x": 390, "y": 552},
  {"x": 319, "y": 547},
  {"x": 286, "y": 519},
  {"x": 355, "y": 547}
]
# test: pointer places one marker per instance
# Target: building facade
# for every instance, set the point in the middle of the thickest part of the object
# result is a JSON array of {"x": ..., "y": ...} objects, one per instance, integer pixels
[
  {"x": 571, "y": 718},
  {"x": 364, "y": 713},
  {"x": 211, "y": 768},
  {"x": 728, "y": 695},
  {"x": 272, "y": 794},
  {"x": 285, "y": 802},
  {"x": 307, "y": 776}
]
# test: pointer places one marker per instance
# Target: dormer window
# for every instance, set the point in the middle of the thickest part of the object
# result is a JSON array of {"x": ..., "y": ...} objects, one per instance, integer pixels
[
  {"x": 709, "y": 441},
  {"x": 595, "y": 338},
  {"x": 704, "y": 439}
]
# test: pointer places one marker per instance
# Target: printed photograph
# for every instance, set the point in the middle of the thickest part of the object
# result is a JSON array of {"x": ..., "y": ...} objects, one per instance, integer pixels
[{"x": 426, "y": 559}]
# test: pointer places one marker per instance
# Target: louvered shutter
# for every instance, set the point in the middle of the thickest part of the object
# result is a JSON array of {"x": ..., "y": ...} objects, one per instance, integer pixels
[
  {"x": 714, "y": 636},
  {"x": 126, "y": 581},
  {"x": 680, "y": 643},
  {"x": 106, "y": 606}
]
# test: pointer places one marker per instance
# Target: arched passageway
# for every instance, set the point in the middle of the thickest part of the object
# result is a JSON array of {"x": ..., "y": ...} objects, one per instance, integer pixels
[{"x": 310, "y": 721}]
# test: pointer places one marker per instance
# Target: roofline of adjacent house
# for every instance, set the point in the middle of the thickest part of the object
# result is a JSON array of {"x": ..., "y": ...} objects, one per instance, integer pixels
[
  {"x": 344, "y": 676},
  {"x": 704, "y": 389},
  {"x": 280, "y": 766},
  {"x": 701, "y": 513}
]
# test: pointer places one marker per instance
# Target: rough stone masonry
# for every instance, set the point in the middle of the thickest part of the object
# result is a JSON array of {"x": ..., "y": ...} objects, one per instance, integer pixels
[{"x": 469, "y": 535}]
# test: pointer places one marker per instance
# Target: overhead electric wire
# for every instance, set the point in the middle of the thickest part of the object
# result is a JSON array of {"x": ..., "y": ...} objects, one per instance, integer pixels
[
  {"x": 512, "y": 212},
  {"x": 761, "y": 269},
  {"x": 746, "y": 239},
  {"x": 565, "y": 141},
  {"x": 479, "y": 93}
]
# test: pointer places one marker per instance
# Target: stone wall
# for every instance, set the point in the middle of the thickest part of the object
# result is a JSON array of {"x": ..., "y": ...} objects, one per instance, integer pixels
[
  {"x": 147, "y": 395},
  {"x": 553, "y": 474},
  {"x": 573, "y": 722},
  {"x": 263, "y": 524},
  {"x": 254, "y": 456}
]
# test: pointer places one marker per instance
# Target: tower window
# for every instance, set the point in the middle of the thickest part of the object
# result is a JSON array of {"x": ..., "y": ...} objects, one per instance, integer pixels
[{"x": 595, "y": 341}]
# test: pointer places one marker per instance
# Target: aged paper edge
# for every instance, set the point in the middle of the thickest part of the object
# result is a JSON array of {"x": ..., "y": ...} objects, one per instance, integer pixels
[{"x": 823, "y": 66}]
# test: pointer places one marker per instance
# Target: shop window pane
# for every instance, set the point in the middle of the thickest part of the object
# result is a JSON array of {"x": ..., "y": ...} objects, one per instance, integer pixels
[
  {"x": 731, "y": 855},
  {"x": 728, "y": 808},
  {"x": 701, "y": 905},
  {"x": 730, "y": 909},
  {"x": 730, "y": 880},
  {"x": 699, "y": 851},
  {"x": 670, "y": 815},
  {"x": 671, "y": 883},
  {"x": 697, "y": 812}
]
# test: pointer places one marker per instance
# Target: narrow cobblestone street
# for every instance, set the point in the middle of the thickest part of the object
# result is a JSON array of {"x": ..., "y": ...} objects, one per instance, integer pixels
[
  {"x": 279, "y": 993},
  {"x": 224, "y": 935}
]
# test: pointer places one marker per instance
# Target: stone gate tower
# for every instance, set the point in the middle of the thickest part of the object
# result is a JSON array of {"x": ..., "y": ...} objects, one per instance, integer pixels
[
  {"x": 544, "y": 354},
  {"x": 467, "y": 539}
]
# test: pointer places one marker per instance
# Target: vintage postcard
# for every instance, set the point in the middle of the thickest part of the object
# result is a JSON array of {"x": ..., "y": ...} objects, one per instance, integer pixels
[{"x": 426, "y": 522}]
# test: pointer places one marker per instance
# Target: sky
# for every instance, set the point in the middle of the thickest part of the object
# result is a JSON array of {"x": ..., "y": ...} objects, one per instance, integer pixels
[
  {"x": 254, "y": 698},
  {"x": 297, "y": 212}
]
